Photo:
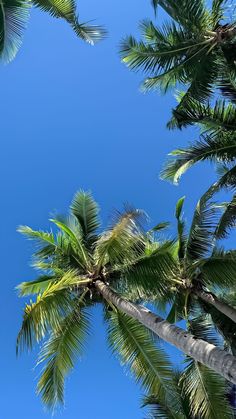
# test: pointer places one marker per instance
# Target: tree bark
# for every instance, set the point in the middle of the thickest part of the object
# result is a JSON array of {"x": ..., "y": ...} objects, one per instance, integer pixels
[
  {"x": 220, "y": 361},
  {"x": 210, "y": 298}
]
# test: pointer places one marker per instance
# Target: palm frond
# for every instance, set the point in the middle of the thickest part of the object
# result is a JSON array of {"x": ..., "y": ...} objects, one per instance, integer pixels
[
  {"x": 227, "y": 220},
  {"x": 86, "y": 211},
  {"x": 136, "y": 350},
  {"x": 122, "y": 241},
  {"x": 37, "y": 286},
  {"x": 13, "y": 19},
  {"x": 76, "y": 241},
  {"x": 152, "y": 273},
  {"x": 48, "y": 309},
  {"x": 220, "y": 117},
  {"x": 180, "y": 228},
  {"x": 66, "y": 9},
  {"x": 193, "y": 13},
  {"x": 58, "y": 355},
  {"x": 206, "y": 391},
  {"x": 214, "y": 148},
  {"x": 220, "y": 269},
  {"x": 205, "y": 219},
  {"x": 159, "y": 410}
]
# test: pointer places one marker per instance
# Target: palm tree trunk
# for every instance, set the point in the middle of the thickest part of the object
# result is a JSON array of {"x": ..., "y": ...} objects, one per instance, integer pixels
[
  {"x": 210, "y": 298},
  {"x": 220, "y": 361}
]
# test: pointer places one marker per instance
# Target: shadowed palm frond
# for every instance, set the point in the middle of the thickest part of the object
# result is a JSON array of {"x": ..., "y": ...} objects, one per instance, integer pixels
[
  {"x": 218, "y": 118},
  {"x": 13, "y": 19},
  {"x": 220, "y": 269},
  {"x": 153, "y": 273},
  {"x": 214, "y": 148},
  {"x": 227, "y": 220}
]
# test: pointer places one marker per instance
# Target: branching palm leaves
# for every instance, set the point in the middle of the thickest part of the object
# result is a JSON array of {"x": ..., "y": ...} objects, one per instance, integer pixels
[
  {"x": 14, "y": 15},
  {"x": 71, "y": 260},
  {"x": 195, "y": 49}
]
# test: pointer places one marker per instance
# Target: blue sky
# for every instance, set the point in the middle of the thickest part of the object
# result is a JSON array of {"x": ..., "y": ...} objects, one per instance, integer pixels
[{"x": 72, "y": 117}]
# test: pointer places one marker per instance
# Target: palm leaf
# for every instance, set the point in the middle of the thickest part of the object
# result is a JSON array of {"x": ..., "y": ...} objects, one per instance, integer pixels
[
  {"x": 221, "y": 147},
  {"x": 66, "y": 9},
  {"x": 220, "y": 117},
  {"x": 86, "y": 210},
  {"x": 206, "y": 391},
  {"x": 13, "y": 18},
  {"x": 153, "y": 273},
  {"x": 35, "y": 287},
  {"x": 149, "y": 365},
  {"x": 227, "y": 220},
  {"x": 48, "y": 309},
  {"x": 59, "y": 353},
  {"x": 122, "y": 241},
  {"x": 220, "y": 269}
]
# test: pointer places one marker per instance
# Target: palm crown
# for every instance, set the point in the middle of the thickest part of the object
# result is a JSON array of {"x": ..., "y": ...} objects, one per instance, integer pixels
[
  {"x": 80, "y": 257},
  {"x": 196, "y": 49},
  {"x": 72, "y": 261}
]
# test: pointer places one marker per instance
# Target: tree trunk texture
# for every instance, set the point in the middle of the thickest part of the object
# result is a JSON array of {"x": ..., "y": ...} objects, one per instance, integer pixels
[
  {"x": 220, "y": 361},
  {"x": 210, "y": 298}
]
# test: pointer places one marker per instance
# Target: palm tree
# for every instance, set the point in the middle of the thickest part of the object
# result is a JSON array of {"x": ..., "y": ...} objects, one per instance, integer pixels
[
  {"x": 196, "y": 49},
  {"x": 14, "y": 15},
  {"x": 83, "y": 266},
  {"x": 199, "y": 392},
  {"x": 198, "y": 265}
]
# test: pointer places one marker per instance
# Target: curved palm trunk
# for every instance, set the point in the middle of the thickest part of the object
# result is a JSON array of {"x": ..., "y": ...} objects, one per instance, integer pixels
[
  {"x": 210, "y": 298},
  {"x": 206, "y": 353}
]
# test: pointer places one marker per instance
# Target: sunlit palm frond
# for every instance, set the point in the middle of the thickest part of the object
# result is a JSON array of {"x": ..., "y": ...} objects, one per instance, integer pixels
[
  {"x": 205, "y": 220},
  {"x": 58, "y": 355},
  {"x": 66, "y": 9},
  {"x": 122, "y": 241},
  {"x": 35, "y": 287},
  {"x": 86, "y": 211},
  {"x": 13, "y": 19},
  {"x": 77, "y": 242},
  {"x": 206, "y": 391},
  {"x": 48, "y": 309}
]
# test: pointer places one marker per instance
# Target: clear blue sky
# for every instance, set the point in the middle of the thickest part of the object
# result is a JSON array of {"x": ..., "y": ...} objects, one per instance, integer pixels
[{"x": 72, "y": 117}]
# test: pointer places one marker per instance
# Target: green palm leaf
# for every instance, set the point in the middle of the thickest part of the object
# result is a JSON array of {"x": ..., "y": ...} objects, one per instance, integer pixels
[
  {"x": 13, "y": 18},
  {"x": 48, "y": 309},
  {"x": 221, "y": 147},
  {"x": 66, "y": 9},
  {"x": 227, "y": 220},
  {"x": 59, "y": 353},
  {"x": 136, "y": 350},
  {"x": 86, "y": 210},
  {"x": 122, "y": 241},
  {"x": 206, "y": 391}
]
